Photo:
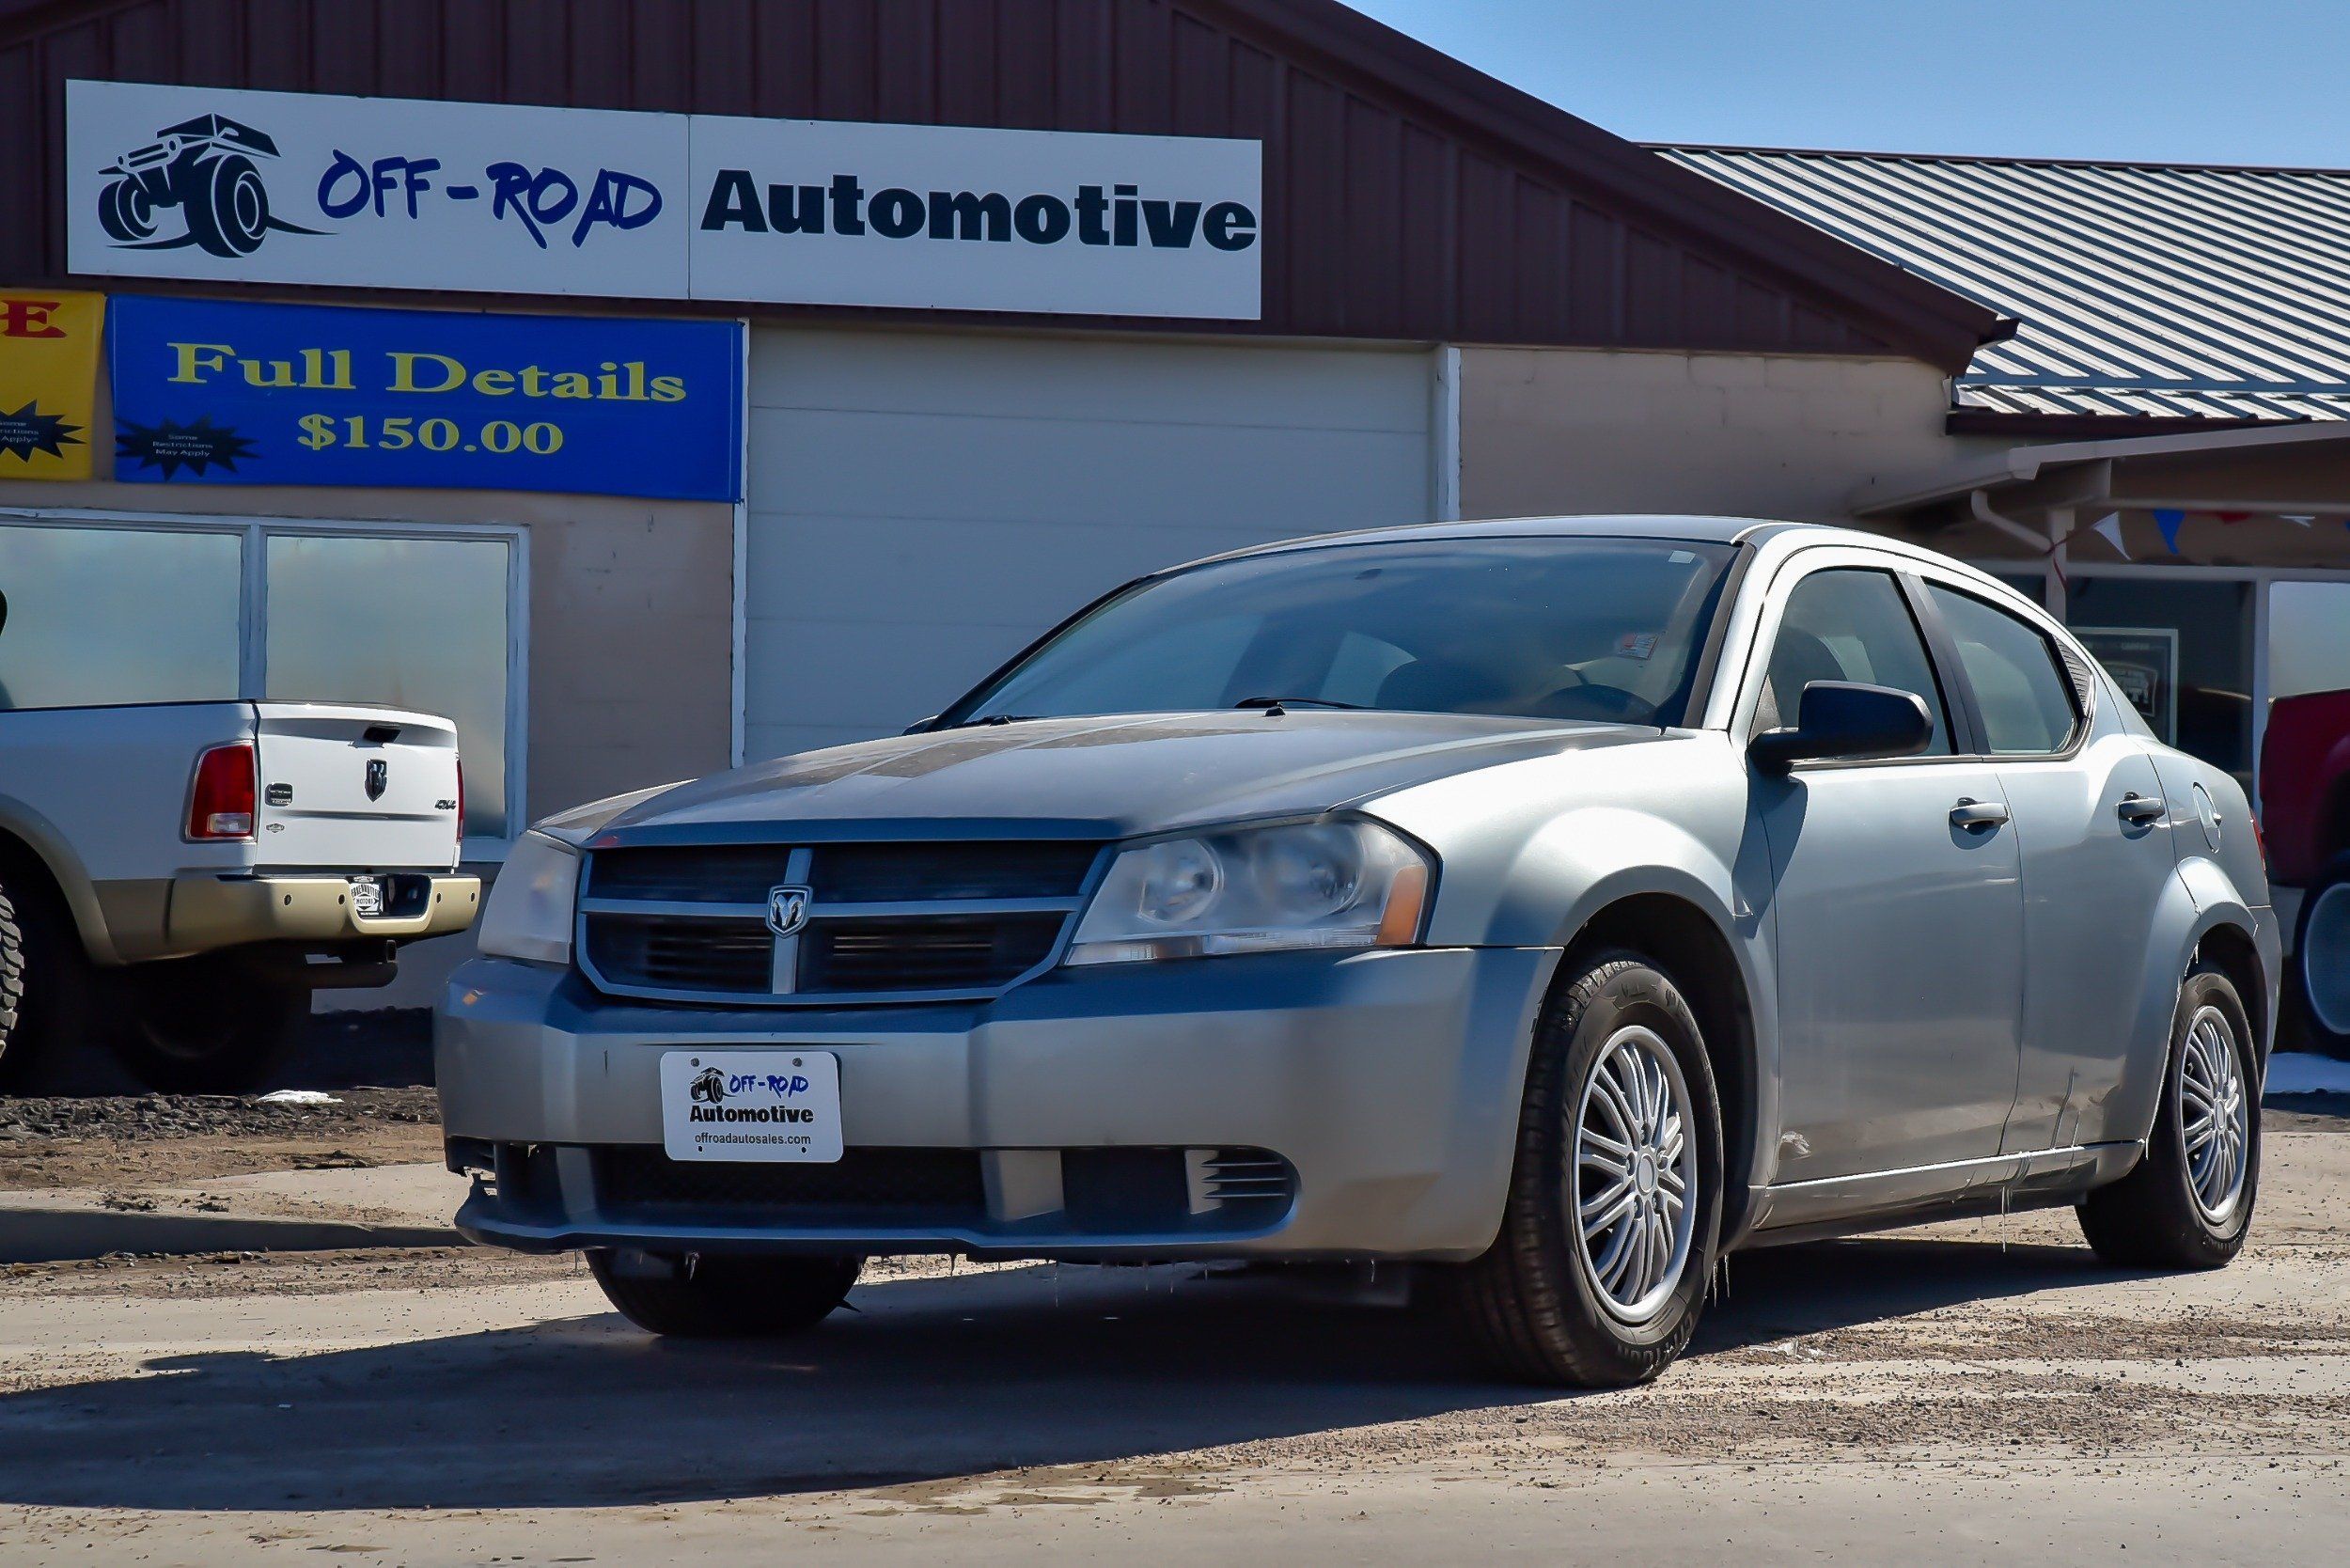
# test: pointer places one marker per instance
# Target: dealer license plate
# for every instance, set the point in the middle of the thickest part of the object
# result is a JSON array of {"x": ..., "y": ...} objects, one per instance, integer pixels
[{"x": 772, "y": 1105}]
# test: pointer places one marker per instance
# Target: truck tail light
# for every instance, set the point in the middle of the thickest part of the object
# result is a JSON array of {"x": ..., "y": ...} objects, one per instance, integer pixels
[
  {"x": 460, "y": 800},
  {"x": 2260, "y": 840},
  {"x": 221, "y": 805}
]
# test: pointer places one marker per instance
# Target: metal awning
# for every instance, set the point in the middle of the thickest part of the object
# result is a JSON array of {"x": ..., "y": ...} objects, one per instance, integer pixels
[{"x": 2160, "y": 291}]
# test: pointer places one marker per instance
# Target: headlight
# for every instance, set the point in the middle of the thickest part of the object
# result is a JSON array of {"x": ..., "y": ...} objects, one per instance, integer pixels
[
  {"x": 529, "y": 913},
  {"x": 1345, "y": 883}
]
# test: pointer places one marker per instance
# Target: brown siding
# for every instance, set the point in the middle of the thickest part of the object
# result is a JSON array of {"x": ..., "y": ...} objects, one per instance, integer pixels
[{"x": 1406, "y": 196}]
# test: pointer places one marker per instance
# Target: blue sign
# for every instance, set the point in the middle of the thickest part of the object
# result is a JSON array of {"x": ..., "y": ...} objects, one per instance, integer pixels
[{"x": 207, "y": 392}]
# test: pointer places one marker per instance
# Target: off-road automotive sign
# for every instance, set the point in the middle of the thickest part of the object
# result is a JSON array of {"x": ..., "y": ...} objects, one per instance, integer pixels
[{"x": 265, "y": 187}]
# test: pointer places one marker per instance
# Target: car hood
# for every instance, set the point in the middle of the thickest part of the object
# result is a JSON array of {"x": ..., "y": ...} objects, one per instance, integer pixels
[{"x": 1111, "y": 777}]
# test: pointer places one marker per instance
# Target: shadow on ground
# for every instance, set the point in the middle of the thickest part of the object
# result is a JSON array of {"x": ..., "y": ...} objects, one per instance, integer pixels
[
  {"x": 385, "y": 1048},
  {"x": 931, "y": 1379}
]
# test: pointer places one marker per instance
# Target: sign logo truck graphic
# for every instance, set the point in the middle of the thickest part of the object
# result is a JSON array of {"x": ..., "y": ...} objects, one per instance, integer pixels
[
  {"x": 208, "y": 171},
  {"x": 388, "y": 193}
]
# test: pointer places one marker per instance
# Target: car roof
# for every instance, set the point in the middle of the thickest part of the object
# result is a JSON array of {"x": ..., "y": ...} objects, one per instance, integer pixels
[{"x": 1658, "y": 525}]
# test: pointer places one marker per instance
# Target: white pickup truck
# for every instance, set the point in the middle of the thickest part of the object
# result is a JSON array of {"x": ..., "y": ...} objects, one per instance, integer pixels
[{"x": 176, "y": 878}]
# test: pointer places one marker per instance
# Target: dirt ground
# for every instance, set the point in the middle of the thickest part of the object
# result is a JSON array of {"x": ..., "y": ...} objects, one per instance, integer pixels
[
  {"x": 1961, "y": 1394},
  {"x": 155, "y": 1139}
]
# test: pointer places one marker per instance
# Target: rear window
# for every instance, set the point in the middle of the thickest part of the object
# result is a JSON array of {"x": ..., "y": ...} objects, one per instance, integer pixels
[{"x": 2020, "y": 685}]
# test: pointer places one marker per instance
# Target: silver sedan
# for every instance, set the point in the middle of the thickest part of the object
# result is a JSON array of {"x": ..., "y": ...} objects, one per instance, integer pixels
[{"x": 1556, "y": 906}]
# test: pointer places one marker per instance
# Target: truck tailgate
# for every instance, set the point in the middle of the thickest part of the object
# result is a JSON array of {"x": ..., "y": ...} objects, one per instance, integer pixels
[{"x": 354, "y": 788}]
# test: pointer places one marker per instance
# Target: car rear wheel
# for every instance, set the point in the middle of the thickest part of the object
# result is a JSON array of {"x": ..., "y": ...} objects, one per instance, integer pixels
[
  {"x": 206, "y": 1026},
  {"x": 724, "y": 1298},
  {"x": 2321, "y": 961},
  {"x": 46, "y": 1001},
  {"x": 1598, "y": 1274},
  {"x": 2188, "y": 1203}
]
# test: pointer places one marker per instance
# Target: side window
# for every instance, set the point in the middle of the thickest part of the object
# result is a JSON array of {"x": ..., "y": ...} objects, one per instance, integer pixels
[
  {"x": 2026, "y": 700},
  {"x": 1850, "y": 624}
]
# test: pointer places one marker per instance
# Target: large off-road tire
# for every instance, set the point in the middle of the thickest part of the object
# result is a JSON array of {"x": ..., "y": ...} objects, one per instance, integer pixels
[
  {"x": 46, "y": 999},
  {"x": 2188, "y": 1203},
  {"x": 126, "y": 212},
  {"x": 2319, "y": 969},
  {"x": 227, "y": 206},
  {"x": 729, "y": 1298},
  {"x": 205, "y": 1025},
  {"x": 1607, "y": 1239}
]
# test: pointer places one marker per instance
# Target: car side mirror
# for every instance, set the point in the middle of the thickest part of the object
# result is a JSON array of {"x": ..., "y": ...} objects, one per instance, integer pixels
[{"x": 1845, "y": 719}]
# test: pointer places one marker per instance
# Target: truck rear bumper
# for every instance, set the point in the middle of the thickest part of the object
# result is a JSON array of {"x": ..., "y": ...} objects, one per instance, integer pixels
[{"x": 178, "y": 916}]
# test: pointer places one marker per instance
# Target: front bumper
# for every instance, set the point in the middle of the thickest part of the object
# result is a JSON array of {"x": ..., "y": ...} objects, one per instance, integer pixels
[{"x": 1386, "y": 1082}]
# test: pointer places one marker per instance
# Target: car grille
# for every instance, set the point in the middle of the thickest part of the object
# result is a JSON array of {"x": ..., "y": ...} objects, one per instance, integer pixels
[
  {"x": 885, "y": 921},
  {"x": 939, "y": 1186}
]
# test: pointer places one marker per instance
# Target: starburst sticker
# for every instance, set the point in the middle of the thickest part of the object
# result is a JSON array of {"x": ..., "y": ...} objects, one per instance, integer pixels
[
  {"x": 198, "y": 445},
  {"x": 28, "y": 431}
]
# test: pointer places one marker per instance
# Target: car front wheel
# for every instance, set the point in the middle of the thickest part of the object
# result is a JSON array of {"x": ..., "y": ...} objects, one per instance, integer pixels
[
  {"x": 1598, "y": 1274},
  {"x": 2188, "y": 1203},
  {"x": 722, "y": 1298}
]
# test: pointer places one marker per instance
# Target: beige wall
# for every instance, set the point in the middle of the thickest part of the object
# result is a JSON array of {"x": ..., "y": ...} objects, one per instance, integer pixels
[{"x": 1579, "y": 429}]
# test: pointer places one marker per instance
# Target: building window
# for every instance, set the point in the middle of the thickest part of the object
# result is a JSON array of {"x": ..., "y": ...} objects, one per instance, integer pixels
[
  {"x": 422, "y": 617},
  {"x": 100, "y": 615},
  {"x": 2207, "y": 696}
]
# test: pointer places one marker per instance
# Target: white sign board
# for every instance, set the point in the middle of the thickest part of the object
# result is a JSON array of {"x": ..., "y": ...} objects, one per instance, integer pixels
[
  {"x": 267, "y": 187},
  {"x": 834, "y": 212},
  {"x": 285, "y": 187}
]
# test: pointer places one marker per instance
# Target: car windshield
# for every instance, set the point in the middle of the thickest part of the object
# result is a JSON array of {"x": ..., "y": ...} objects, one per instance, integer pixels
[{"x": 1559, "y": 628}]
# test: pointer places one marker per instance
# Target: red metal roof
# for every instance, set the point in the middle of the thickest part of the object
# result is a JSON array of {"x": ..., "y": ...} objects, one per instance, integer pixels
[{"x": 1408, "y": 197}]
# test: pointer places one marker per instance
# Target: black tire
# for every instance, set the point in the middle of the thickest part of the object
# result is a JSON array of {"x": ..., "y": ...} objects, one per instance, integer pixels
[
  {"x": 205, "y": 1025},
  {"x": 2153, "y": 1217},
  {"x": 228, "y": 205},
  {"x": 126, "y": 212},
  {"x": 47, "y": 1001},
  {"x": 729, "y": 1298},
  {"x": 1533, "y": 1303},
  {"x": 2319, "y": 968}
]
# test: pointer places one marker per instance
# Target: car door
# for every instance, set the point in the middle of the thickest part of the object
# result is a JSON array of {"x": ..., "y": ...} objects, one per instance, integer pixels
[
  {"x": 2094, "y": 834},
  {"x": 1896, "y": 907}
]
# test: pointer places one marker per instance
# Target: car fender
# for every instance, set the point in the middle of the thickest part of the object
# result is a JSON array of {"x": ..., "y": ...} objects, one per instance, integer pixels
[
  {"x": 55, "y": 853},
  {"x": 2195, "y": 903},
  {"x": 1578, "y": 864}
]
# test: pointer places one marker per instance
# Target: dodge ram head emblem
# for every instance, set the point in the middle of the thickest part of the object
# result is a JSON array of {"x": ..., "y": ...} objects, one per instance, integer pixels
[
  {"x": 787, "y": 910},
  {"x": 379, "y": 778}
]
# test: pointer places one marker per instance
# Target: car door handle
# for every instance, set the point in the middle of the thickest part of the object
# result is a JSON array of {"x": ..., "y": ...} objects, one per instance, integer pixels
[
  {"x": 1978, "y": 816},
  {"x": 2139, "y": 811}
]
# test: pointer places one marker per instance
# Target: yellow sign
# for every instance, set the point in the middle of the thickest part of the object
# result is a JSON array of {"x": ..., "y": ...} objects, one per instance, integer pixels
[{"x": 48, "y": 381}]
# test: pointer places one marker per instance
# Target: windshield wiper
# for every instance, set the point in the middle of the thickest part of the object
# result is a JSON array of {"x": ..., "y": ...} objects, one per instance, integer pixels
[
  {"x": 992, "y": 719},
  {"x": 1275, "y": 704}
]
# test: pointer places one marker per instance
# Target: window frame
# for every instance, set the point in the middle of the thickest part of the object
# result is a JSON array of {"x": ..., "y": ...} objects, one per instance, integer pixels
[
  {"x": 1957, "y": 701},
  {"x": 254, "y": 532},
  {"x": 1945, "y": 649}
]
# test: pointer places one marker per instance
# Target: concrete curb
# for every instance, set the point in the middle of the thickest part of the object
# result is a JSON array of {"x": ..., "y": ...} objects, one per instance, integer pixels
[{"x": 51, "y": 1235}]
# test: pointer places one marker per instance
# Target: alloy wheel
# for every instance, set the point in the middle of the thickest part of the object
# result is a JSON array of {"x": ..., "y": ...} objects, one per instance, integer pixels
[
  {"x": 1633, "y": 1170},
  {"x": 2215, "y": 1114}
]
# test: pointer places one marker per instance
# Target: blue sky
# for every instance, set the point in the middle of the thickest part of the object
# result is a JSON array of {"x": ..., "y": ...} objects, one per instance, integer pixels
[{"x": 2198, "y": 80}]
